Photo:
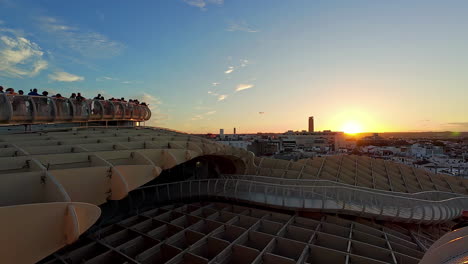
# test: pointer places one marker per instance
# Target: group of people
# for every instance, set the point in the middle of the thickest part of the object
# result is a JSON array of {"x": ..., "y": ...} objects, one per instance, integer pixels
[
  {"x": 11, "y": 91},
  {"x": 76, "y": 96}
]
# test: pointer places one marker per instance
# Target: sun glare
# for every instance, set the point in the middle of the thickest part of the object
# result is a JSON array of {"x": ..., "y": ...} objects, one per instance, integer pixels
[{"x": 352, "y": 127}]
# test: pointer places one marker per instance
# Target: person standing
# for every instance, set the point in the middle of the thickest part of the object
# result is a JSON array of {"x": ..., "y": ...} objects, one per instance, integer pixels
[{"x": 34, "y": 92}]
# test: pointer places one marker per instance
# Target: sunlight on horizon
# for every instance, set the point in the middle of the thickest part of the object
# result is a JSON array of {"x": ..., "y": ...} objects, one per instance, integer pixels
[{"x": 352, "y": 127}]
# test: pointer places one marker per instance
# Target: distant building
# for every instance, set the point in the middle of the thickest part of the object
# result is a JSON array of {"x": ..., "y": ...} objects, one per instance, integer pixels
[
  {"x": 311, "y": 141},
  {"x": 236, "y": 143},
  {"x": 221, "y": 133},
  {"x": 374, "y": 140},
  {"x": 264, "y": 147},
  {"x": 311, "y": 124},
  {"x": 426, "y": 150}
]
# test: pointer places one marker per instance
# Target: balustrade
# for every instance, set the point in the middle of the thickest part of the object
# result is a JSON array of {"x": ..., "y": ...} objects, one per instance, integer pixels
[{"x": 23, "y": 109}]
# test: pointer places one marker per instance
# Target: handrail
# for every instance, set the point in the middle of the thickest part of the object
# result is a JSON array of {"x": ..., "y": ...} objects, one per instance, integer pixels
[
  {"x": 428, "y": 195},
  {"x": 25, "y": 109},
  {"x": 324, "y": 198}
]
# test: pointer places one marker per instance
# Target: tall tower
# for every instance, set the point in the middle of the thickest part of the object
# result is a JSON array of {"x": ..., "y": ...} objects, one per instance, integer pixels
[
  {"x": 234, "y": 131},
  {"x": 311, "y": 124},
  {"x": 221, "y": 133}
]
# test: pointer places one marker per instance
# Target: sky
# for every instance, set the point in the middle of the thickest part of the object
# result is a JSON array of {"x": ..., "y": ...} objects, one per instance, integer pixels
[{"x": 258, "y": 65}]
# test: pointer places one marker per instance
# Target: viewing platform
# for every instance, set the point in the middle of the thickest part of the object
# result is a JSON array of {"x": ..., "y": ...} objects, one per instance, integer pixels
[{"x": 22, "y": 109}]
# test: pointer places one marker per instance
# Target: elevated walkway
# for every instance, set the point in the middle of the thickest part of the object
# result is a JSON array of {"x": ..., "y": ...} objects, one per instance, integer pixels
[
  {"x": 20, "y": 109},
  {"x": 318, "y": 196}
]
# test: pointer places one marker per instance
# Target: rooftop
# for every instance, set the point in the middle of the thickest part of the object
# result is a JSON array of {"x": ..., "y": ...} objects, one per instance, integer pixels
[{"x": 139, "y": 195}]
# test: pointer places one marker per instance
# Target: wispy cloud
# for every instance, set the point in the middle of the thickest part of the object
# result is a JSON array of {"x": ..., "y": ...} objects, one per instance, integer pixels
[
  {"x": 202, "y": 4},
  {"x": 240, "y": 26},
  {"x": 149, "y": 99},
  {"x": 458, "y": 125},
  {"x": 215, "y": 84},
  {"x": 203, "y": 115},
  {"x": 196, "y": 117},
  {"x": 65, "y": 77},
  {"x": 153, "y": 102},
  {"x": 229, "y": 70},
  {"x": 106, "y": 78},
  {"x": 85, "y": 42},
  {"x": 222, "y": 97},
  {"x": 19, "y": 57},
  {"x": 244, "y": 63},
  {"x": 243, "y": 86}
]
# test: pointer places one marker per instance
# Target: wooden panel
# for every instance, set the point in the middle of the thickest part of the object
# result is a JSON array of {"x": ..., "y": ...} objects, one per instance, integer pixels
[
  {"x": 28, "y": 187},
  {"x": 137, "y": 175},
  {"x": 33, "y": 231},
  {"x": 90, "y": 185}
]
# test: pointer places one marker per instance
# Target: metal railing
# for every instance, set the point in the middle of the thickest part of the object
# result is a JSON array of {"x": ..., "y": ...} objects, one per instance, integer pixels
[
  {"x": 336, "y": 199},
  {"x": 22, "y": 109},
  {"x": 425, "y": 195}
]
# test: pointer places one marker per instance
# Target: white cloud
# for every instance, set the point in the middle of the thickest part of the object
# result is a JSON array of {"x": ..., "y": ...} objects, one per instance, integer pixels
[
  {"x": 65, "y": 77},
  {"x": 153, "y": 102},
  {"x": 243, "y": 86},
  {"x": 203, "y": 3},
  {"x": 240, "y": 26},
  {"x": 19, "y": 57},
  {"x": 85, "y": 42},
  {"x": 229, "y": 70},
  {"x": 222, "y": 97},
  {"x": 149, "y": 99},
  {"x": 106, "y": 78},
  {"x": 215, "y": 83},
  {"x": 244, "y": 63},
  {"x": 203, "y": 115},
  {"x": 197, "y": 117}
]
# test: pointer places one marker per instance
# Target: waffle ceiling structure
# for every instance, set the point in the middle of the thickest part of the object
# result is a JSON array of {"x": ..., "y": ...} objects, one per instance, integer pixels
[{"x": 151, "y": 195}]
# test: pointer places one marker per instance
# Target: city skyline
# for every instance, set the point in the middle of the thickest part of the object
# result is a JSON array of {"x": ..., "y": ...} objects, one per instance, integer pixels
[{"x": 203, "y": 65}]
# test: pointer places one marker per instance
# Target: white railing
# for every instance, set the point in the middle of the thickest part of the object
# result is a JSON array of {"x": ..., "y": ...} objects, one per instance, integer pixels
[
  {"x": 426, "y": 195},
  {"x": 21, "y": 109},
  {"x": 336, "y": 199}
]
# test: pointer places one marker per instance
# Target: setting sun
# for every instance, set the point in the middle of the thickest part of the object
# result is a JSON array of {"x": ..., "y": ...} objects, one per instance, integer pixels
[{"x": 352, "y": 127}]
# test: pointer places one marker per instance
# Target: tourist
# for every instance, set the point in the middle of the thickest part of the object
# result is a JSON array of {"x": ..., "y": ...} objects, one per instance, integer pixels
[
  {"x": 45, "y": 93},
  {"x": 10, "y": 91},
  {"x": 33, "y": 92},
  {"x": 1, "y": 89},
  {"x": 20, "y": 92},
  {"x": 79, "y": 97},
  {"x": 73, "y": 96}
]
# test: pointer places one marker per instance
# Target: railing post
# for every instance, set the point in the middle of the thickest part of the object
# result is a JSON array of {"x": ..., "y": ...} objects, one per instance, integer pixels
[
  {"x": 34, "y": 109},
  {"x": 54, "y": 107},
  {"x": 9, "y": 106},
  {"x": 102, "y": 109}
]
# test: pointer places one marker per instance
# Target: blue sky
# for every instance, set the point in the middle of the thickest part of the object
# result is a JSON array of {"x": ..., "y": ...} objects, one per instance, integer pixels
[{"x": 255, "y": 65}]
